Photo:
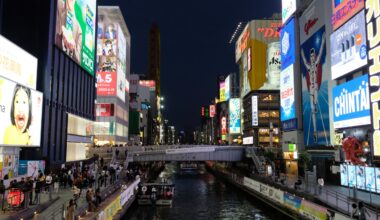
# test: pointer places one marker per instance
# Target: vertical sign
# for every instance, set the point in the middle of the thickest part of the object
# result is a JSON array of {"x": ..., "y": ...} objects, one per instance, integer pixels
[
  {"x": 212, "y": 111},
  {"x": 234, "y": 110},
  {"x": 288, "y": 8},
  {"x": 255, "y": 112},
  {"x": 288, "y": 108},
  {"x": 372, "y": 17},
  {"x": 288, "y": 46},
  {"x": 315, "y": 76}
]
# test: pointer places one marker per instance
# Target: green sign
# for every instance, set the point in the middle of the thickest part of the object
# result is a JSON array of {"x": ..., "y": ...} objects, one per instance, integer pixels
[
  {"x": 75, "y": 31},
  {"x": 292, "y": 147}
]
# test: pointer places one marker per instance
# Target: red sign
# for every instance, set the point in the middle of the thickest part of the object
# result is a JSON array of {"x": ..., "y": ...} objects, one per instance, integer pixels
[
  {"x": 203, "y": 111},
  {"x": 212, "y": 111},
  {"x": 270, "y": 32},
  {"x": 104, "y": 110},
  {"x": 106, "y": 83},
  {"x": 309, "y": 24},
  {"x": 343, "y": 10},
  {"x": 15, "y": 197},
  {"x": 148, "y": 83},
  {"x": 244, "y": 41}
]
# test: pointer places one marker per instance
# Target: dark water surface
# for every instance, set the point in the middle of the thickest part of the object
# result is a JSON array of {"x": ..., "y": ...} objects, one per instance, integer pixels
[{"x": 200, "y": 195}]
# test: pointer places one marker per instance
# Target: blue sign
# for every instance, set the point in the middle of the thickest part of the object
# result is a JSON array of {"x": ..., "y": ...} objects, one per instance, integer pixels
[
  {"x": 289, "y": 125},
  {"x": 292, "y": 201},
  {"x": 351, "y": 103},
  {"x": 288, "y": 49}
]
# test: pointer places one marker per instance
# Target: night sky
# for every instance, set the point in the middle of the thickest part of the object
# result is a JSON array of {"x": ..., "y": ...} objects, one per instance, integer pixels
[{"x": 195, "y": 47}]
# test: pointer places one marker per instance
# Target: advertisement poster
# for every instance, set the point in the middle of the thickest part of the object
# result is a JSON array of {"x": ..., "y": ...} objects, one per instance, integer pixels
[
  {"x": 343, "y": 10},
  {"x": 351, "y": 176},
  {"x": 75, "y": 31},
  {"x": 234, "y": 119},
  {"x": 16, "y": 64},
  {"x": 343, "y": 175},
  {"x": 348, "y": 47},
  {"x": 288, "y": 108},
  {"x": 104, "y": 110},
  {"x": 34, "y": 166},
  {"x": 377, "y": 171},
  {"x": 288, "y": 45},
  {"x": 23, "y": 167},
  {"x": 360, "y": 177},
  {"x": 292, "y": 202},
  {"x": 222, "y": 94},
  {"x": 315, "y": 90},
  {"x": 313, "y": 211},
  {"x": 227, "y": 88},
  {"x": 370, "y": 179},
  {"x": 351, "y": 103},
  {"x": 121, "y": 50},
  {"x": 106, "y": 83},
  {"x": 20, "y": 115},
  {"x": 288, "y": 8}
]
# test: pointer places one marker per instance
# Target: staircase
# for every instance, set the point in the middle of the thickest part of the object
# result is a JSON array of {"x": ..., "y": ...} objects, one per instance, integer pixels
[{"x": 257, "y": 160}]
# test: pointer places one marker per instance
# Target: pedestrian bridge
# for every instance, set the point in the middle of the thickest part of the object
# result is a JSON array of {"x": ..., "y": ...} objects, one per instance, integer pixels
[{"x": 179, "y": 153}]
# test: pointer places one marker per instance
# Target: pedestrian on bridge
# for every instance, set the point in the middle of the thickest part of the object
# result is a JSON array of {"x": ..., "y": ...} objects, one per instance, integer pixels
[{"x": 321, "y": 183}]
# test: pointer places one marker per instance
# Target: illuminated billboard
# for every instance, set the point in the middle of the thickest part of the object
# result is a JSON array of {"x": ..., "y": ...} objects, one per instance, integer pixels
[
  {"x": 288, "y": 108},
  {"x": 349, "y": 47},
  {"x": 212, "y": 111},
  {"x": 148, "y": 83},
  {"x": 106, "y": 83},
  {"x": 288, "y": 45},
  {"x": 16, "y": 64},
  {"x": 104, "y": 110},
  {"x": 227, "y": 88},
  {"x": 222, "y": 94},
  {"x": 343, "y": 10},
  {"x": 288, "y": 8},
  {"x": 20, "y": 114},
  {"x": 351, "y": 103},
  {"x": 372, "y": 18},
  {"x": 75, "y": 31},
  {"x": 234, "y": 116},
  {"x": 255, "y": 111},
  {"x": 120, "y": 87}
]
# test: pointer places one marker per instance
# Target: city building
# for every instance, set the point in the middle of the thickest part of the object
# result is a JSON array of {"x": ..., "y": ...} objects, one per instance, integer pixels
[{"x": 112, "y": 73}]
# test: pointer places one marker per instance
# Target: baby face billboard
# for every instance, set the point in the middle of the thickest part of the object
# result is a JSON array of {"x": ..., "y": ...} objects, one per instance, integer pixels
[
  {"x": 75, "y": 31},
  {"x": 315, "y": 89},
  {"x": 348, "y": 47},
  {"x": 20, "y": 115}
]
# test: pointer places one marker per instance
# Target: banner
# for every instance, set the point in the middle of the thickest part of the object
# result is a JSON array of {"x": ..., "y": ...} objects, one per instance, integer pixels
[
  {"x": 252, "y": 184},
  {"x": 352, "y": 103},
  {"x": 112, "y": 208},
  {"x": 20, "y": 115},
  {"x": 348, "y": 47},
  {"x": 313, "y": 211},
  {"x": 75, "y": 31},
  {"x": 234, "y": 116},
  {"x": 292, "y": 202},
  {"x": 16, "y": 64},
  {"x": 343, "y": 10}
]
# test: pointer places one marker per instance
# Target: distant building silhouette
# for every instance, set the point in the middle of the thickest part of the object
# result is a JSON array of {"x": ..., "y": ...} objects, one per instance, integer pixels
[{"x": 154, "y": 56}]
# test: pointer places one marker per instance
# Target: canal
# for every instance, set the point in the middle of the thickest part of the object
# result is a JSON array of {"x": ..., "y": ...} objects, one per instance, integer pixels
[{"x": 200, "y": 195}]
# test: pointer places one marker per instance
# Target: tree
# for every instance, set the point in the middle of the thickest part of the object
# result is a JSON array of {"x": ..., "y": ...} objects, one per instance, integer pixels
[{"x": 305, "y": 160}]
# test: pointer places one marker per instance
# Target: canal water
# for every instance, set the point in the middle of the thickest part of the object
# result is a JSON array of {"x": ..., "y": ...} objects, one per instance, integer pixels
[{"x": 200, "y": 195}]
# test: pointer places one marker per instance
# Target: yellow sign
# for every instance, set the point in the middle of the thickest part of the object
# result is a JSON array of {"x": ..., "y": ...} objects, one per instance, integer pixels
[{"x": 113, "y": 208}]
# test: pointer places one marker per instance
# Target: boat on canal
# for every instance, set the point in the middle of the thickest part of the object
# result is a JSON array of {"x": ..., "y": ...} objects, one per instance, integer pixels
[{"x": 156, "y": 194}]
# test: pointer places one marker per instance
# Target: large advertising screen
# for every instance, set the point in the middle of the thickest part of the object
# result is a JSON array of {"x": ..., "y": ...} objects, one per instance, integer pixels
[
  {"x": 377, "y": 173},
  {"x": 351, "y": 176},
  {"x": 288, "y": 8},
  {"x": 315, "y": 76},
  {"x": 16, "y": 64},
  {"x": 288, "y": 110},
  {"x": 234, "y": 113},
  {"x": 348, "y": 47},
  {"x": 288, "y": 45},
  {"x": 360, "y": 177},
  {"x": 351, "y": 103},
  {"x": 75, "y": 31},
  {"x": 343, "y": 10},
  {"x": 20, "y": 115},
  {"x": 343, "y": 175}
]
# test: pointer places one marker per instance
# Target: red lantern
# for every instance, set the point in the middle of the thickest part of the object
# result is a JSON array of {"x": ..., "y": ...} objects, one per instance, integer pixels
[{"x": 15, "y": 197}]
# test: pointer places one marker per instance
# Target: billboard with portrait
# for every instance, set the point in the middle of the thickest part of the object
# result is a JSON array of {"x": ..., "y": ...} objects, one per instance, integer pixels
[
  {"x": 234, "y": 116},
  {"x": 343, "y": 10},
  {"x": 370, "y": 179},
  {"x": 360, "y": 177},
  {"x": 351, "y": 176},
  {"x": 348, "y": 47},
  {"x": 20, "y": 115},
  {"x": 343, "y": 175},
  {"x": 351, "y": 103},
  {"x": 288, "y": 110},
  {"x": 288, "y": 44},
  {"x": 75, "y": 31},
  {"x": 315, "y": 76},
  {"x": 16, "y": 64}
]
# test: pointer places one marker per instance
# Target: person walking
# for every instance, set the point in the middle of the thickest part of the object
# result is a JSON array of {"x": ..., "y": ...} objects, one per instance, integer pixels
[
  {"x": 362, "y": 211},
  {"x": 321, "y": 183}
]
